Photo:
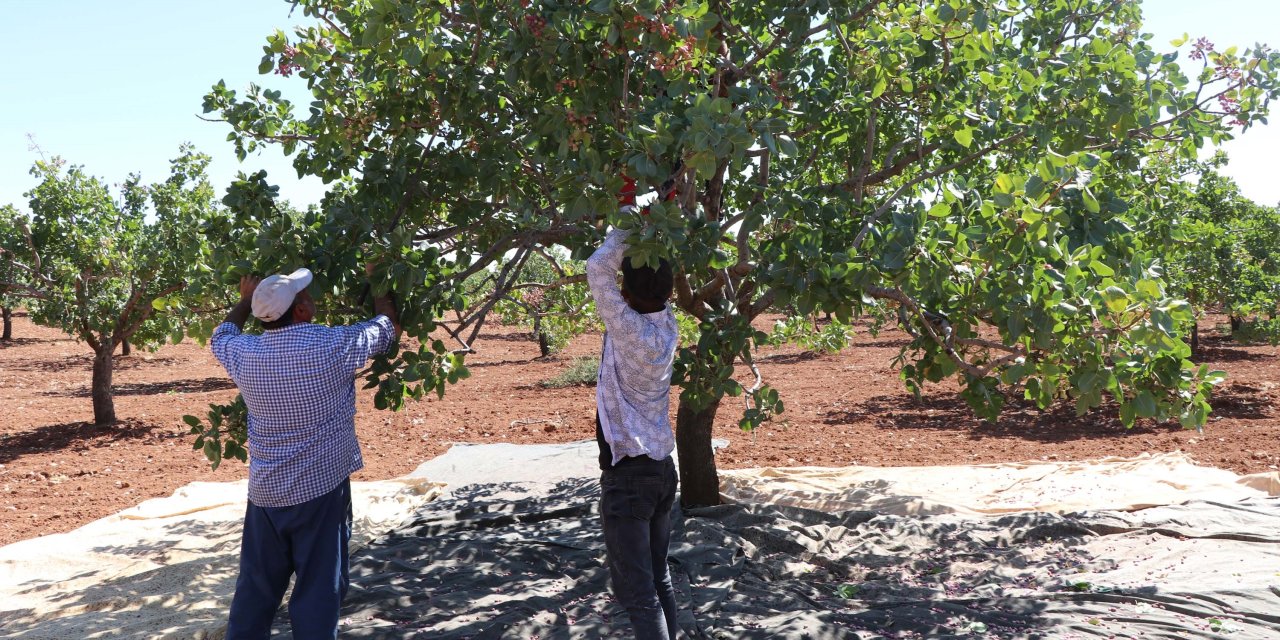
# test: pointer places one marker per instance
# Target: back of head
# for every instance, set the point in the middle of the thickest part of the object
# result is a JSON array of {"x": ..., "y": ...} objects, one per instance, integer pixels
[{"x": 649, "y": 286}]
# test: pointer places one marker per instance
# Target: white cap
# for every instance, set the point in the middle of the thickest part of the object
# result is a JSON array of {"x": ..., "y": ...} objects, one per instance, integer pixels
[{"x": 274, "y": 296}]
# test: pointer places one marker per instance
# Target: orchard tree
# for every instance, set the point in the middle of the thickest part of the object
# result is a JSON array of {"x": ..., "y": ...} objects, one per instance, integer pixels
[
  {"x": 13, "y": 281},
  {"x": 973, "y": 164},
  {"x": 107, "y": 269},
  {"x": 551, "y": 295},
  {"x": 1225, "y": 249}
]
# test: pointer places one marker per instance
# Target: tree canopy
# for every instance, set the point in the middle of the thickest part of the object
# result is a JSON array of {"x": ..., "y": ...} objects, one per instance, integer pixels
[{"x": 975, "y": 168}]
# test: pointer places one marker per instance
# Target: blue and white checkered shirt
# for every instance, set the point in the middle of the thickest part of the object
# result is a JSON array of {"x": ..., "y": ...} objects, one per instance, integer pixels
[{"x": 299, "y": 385}]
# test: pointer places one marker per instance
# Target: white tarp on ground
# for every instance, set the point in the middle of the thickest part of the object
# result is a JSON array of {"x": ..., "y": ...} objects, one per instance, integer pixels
[
  {"x": 1122, "y": 484},
  {"x": 513, "y": 551},
  {"x": 163, "y": 569}
]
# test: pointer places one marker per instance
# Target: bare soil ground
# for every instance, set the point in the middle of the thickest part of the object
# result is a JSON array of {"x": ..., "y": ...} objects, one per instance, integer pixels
[{"x": 58, "y": 471}]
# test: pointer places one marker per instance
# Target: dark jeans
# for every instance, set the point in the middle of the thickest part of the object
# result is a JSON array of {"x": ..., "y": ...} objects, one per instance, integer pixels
[
  {"x": 636, "y": 497},
  {"x": 309, "y": 539}
]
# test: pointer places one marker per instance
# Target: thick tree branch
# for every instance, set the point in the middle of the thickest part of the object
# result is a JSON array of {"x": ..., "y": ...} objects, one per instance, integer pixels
[
  {"x": 562, "y": 282},
  {"x": 911, "y": 305}
]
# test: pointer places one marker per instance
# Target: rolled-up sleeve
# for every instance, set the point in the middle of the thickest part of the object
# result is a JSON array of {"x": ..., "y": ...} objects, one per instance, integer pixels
[{"x": 366, "y": 339}]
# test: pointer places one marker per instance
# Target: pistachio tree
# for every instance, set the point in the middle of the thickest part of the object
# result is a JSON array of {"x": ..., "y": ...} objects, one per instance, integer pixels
[
  {"x": 1225, "y": 254},
  {"x": 12, "y": 276},
  {"x": 971, "y": 166},
  {"x": 110, "y": 268}
]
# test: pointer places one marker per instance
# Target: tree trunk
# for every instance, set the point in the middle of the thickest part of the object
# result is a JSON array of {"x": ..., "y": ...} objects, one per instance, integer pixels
[
  {"x": 544, "y": 346},
  {"x": 125, "y": 349},
  {"x": 104, "y": 408},
  {"x": 1195, "y": 338},
  {"x": 8, "y": 323},
  {"x": 699, "y": 483}
]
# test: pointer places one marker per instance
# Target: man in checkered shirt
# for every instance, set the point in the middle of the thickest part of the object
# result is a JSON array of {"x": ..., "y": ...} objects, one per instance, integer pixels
[{"x": 298, "y": 381}]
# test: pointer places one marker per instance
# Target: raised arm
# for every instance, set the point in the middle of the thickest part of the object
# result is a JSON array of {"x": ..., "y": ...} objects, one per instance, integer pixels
[
  {"x": 602, "y": 277},
  {"x": 239, "y": 314}
]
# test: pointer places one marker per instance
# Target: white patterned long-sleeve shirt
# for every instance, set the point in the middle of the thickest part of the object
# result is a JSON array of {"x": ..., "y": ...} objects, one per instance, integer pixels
[{"x": 634, "y": 385}]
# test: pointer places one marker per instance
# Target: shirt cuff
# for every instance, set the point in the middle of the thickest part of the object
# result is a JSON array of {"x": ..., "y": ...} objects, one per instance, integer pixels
[{"x": 226, "y": 327}]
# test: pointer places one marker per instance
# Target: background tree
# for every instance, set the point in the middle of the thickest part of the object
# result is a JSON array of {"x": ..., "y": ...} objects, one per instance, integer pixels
[
  {"x": 107, "y": 270},
  {"x": 1226, "y": 254},
  {"x": 551, "y": 296},
  {"x": 978, "y": 165},
  {"x": 12, "y": 235}
]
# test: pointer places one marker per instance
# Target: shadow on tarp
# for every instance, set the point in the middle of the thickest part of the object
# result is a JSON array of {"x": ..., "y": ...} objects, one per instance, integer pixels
[
  {"x": 514, "y": 561},
  {"x": 167, "y": 601},
  {"x": 480, "y": 565}
]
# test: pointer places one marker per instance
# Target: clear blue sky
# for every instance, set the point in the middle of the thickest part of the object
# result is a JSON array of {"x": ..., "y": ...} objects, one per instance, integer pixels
[{"x": 116, "y": 86}]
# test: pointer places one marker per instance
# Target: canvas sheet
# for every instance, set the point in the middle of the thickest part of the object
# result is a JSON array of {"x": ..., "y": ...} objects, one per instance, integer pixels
[
  {"x": 163, "y": 569},
  {"x": 1110, "y": 483},
  {"x": 512, "y": 559},
  {"x": 512, "y": 549}
]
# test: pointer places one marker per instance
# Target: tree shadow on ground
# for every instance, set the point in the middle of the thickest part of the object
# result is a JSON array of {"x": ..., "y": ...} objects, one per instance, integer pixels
[
  {"x": 22, "y": 342},
  {"x": 203, "y": 385},
  {"x": 487, "y": 563},
  {"x": 57, "y": 437},
  {"x": 84, "y": 362},
  {"x": 791, "y": 358},
  {"x": 1019, "y": 419},
  {"x": 516, "y": 336},
  {"x": 503, "y": 363},
  {"x": 1242, "y": 401},
  {"x": 879, "y": 343},
  {"x": 1223, "y": 349}
]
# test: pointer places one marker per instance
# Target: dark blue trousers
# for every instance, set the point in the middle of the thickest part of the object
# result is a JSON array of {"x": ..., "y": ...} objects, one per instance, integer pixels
[
  {"x": 636, "y": 497},
  {"x": 308, "y": 539}
]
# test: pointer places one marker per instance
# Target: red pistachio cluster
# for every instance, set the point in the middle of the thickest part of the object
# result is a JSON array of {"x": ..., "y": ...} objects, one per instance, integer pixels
[
  {"x": 1201, "y": 48},
  {"x": 287, "y": 66},
  {"x": 536, "y": 24}
]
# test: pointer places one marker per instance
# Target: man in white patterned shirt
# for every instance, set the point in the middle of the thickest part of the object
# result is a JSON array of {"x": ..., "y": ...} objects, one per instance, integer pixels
[
  {"x": 298, "y": 382},
  {"x": 633, "y": 428}
]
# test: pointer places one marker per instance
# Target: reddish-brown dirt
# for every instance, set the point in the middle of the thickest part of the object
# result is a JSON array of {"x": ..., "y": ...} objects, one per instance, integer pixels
[{"x": 58, "y": 471}]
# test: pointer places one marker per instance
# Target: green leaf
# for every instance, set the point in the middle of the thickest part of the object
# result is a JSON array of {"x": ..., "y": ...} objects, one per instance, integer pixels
[
  {"x": 878, "y": 89},
  {"x": 1034, "y": 187},
  {"x": 581, "y": 208},
  {"x": 1149, "y": 288},
  {"x": 1101, "y": 268},
  {"x": 1090, "y": 202},
  {"x": 785, "y": 145},
  {"x": 964, "y": 136},
  {"x": 1145, "y": 404},
  {"x": 1116, "y": 299},
  {"x": 704, "y": 162}
]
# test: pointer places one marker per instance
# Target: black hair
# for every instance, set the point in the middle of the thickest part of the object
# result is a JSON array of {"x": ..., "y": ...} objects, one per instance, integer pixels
[
  {"x": 283, "y": 321},
  {"x": 646, "y": 284}
]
